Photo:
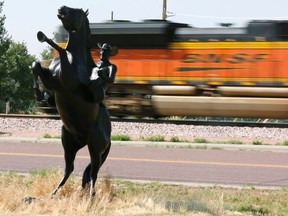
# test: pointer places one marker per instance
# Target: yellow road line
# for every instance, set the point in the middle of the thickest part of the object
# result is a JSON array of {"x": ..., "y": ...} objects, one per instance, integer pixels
[
  {"x": 154, "y": 160},
  {"x": 200, "y": 162}
]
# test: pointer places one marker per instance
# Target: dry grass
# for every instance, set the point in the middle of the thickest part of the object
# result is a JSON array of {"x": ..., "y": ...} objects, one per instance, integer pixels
[{"x": 123, "y": 198}]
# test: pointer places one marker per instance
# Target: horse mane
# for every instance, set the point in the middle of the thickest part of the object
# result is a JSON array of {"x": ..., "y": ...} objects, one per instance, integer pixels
[
  {"x": 88, "y": 30},
  {"x": 90, "y": 62}
]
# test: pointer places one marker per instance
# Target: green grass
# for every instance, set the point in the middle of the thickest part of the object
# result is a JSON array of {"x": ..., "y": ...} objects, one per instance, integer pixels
[
  {"x": 177, "y": 139},
  {"x": 253, "y": 209},
  {"x": 47, "y": 136},
  {"x": 216, "y": 148},
  {"x": 201, "y": 147},
  {"x": 257, "y": 142},
  {"x": 174, "y": 139},
  {"x": 159, "y": 138},
  {"x": 154, "y": 139},
  {"x": 120, "y": 138},
  {"x": 200, "y": 140},
  {"x": 43, "y": 172},
  {"x": 236, "y": 142}
]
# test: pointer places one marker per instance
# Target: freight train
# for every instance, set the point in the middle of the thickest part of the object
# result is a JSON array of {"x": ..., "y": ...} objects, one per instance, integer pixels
[{"x": 174, "y": 69}]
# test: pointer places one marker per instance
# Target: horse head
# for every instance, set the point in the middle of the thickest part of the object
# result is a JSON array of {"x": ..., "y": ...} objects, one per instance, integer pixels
[{"x": 72, "y": 18}]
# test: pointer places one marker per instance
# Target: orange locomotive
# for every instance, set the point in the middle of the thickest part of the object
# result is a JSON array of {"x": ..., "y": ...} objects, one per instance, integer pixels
[{"x": 172, "y": 69}]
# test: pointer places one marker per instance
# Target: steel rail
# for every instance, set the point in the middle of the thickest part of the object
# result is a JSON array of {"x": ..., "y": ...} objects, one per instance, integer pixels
[
  {"x": 165, "y": 121},
  {"x": 205, "y": 123},
  {"x": 29, "y": 116}
]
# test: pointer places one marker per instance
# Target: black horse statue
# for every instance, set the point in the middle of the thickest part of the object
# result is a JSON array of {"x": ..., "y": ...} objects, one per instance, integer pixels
[{"x": 86, "y": 120}]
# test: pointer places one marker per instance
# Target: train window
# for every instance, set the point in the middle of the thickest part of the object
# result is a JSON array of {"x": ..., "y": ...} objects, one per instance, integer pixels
[
  {"x": 148, "y": 34},
  {"x": 213, "y": 40},
  {"x": 230, "y": 40},
  {"x": 270, "y": 30},
  {"x": 260, "y": 38},
  {"x": 282, "y": 30}
]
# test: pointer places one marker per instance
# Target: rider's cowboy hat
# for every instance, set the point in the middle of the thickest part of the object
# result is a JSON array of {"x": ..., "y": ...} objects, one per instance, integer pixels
[{"x": 113, "y": 50}]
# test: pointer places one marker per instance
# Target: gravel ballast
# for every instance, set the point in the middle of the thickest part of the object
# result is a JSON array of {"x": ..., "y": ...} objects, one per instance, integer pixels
[{"x": 38, "y": 127}]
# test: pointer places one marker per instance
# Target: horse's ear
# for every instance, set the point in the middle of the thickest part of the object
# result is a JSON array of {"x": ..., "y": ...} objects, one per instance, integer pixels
[{"x": 87, "y": 12}]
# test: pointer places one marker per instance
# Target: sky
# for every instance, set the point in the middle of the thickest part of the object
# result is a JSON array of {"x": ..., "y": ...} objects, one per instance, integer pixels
[{"x": 24, "y": 18}]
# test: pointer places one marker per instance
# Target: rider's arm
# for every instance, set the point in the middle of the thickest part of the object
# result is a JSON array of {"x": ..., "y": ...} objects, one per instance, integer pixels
[{"x": 108, "y": 73}]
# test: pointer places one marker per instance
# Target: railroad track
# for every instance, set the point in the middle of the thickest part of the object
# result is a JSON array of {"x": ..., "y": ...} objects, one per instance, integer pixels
[
  {"x": 167, "y": 121},
  {"x": 30, "y": 116}
]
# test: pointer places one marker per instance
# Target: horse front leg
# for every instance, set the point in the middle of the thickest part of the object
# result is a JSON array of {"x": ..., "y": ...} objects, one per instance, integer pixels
[
  {"x": 36, "y": 69},
  {"x": 45, "y": 76},
  {"x": 87, "y": 173},
  {"x": 95, "y": 151},
  {"x": 99, "y": 146},
  {"x": 95, "y": 167}
]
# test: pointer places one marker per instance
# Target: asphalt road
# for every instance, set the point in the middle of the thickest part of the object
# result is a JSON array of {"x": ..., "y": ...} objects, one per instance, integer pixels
[{"x": 177, "y": 165}]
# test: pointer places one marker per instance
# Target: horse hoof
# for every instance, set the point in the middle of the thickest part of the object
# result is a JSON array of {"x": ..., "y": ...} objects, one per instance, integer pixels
[{"x": 29, "y": 200}]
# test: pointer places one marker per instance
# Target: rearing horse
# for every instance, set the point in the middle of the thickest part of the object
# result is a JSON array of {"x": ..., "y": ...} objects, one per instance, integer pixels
[{"x": 86, "y": 120}]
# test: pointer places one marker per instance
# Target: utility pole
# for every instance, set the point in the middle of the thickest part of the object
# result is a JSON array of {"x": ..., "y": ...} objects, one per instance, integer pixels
[
  {"x": 164, "y": 10},
  {"x": 112, "y": 15}
]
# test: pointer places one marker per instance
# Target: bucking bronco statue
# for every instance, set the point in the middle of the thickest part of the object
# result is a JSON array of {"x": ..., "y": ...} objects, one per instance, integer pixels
[{"x": 79, "y": 86}]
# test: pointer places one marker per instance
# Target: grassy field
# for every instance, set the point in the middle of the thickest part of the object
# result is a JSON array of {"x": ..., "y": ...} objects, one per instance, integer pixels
[{"x": 119, "y": 197}]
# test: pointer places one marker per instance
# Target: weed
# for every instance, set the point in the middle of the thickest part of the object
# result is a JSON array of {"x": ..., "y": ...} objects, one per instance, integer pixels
[
  {"x": 47, "y": 136},
  {"x": 155, "y": 139},
  {"x": 177, "y": 139},
  {"x": 254, "y": 210},
  {"x": 217, "y": 148},
  {"x": 200, "y": 140},
  {"x": 257, "y": 142},
  {"x": 186, "y": 147},
  {"x": 236, "y": 142},
  {"x": 120, "y": 138},
  {"x": 118, "y": 197},
  {"x": 201, "y": 147},
  {"x": 43, "y": 172}
]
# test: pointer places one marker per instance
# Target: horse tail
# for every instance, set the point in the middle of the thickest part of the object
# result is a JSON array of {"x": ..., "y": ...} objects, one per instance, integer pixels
[{"x": 105, "y": 154}]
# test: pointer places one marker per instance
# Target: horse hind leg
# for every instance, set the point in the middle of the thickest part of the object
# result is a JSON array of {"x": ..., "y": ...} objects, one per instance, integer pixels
[
  {"x": 95, "y": 167},
  {"x": 69, "y": 167},
  {"x": 87, "y": 172},
  {"x": 86, "y": 176}
]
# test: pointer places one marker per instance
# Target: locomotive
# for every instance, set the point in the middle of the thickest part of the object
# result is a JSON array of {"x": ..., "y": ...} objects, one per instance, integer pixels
[{"x": 174, "y": 69}]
